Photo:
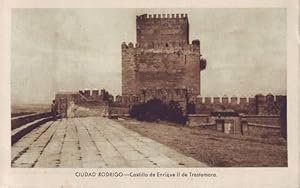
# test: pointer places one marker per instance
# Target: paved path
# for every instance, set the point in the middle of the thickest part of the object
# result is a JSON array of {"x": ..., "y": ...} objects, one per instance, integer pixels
[{"x": 93, "y": 142}]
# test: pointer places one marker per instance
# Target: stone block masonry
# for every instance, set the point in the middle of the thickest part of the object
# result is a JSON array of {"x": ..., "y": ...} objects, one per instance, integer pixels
[
  {"x": 162, "y": 56},
  {"x": 162, "y": 28},
  {"x": 260, "y": 104},
  {"x": 83, "y": 103}
]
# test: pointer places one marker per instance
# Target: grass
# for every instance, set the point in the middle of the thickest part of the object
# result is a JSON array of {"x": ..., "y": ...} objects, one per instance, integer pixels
[{"x": 215, "y": 148}]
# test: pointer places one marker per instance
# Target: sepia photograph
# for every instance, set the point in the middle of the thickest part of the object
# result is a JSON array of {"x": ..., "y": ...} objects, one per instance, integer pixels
[{"x": 148, "y": 88}]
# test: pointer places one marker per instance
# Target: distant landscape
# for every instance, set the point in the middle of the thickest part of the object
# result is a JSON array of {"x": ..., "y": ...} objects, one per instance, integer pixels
[{"x": 25, "y": 109}]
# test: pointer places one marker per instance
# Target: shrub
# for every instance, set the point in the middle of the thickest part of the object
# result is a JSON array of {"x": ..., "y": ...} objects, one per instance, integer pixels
[
  {"x": 191, "y": 108},
  {"x": 155, "y": 110}
]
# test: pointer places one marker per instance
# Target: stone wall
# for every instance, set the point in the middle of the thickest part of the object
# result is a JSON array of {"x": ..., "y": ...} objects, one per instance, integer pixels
[
  {"x": 264, "y": 111},
  {"x": 273, "y": 120},
  {"x": 163, "y": 28},
  {"x": 256, "y": 125},
  {"x": 125, "y": 102},
  {"x": 264, "y": 132},
  {"x": 122, "y": 105},
  {"x": 259, "y": 109},
  {"x": 83, "y": 103},
  {"x": 87, "y": 110},
  {"x": 161, "y": 66},
  {"x": 260, "y": 104},
  {"x": 95, "y": 95},
  {"x": 196, "y": 120}
]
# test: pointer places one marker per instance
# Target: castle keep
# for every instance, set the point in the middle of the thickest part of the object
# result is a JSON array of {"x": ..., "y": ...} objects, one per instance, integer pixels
[{"x": 162, "y": 58}]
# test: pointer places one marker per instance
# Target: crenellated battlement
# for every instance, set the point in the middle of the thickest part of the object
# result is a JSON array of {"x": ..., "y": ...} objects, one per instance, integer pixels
[
  {"x": 162, "y": 46},
  {"x": 185, "y": 96},
  {"x": 96, "y": 95},
  {"x": 127, "y": 100},
  {"x": 259, "y": 104},
  {"x": 238, "y": 100},
  {"x": 162, "y": 28},
  {"x": 223, "y": 100},
  {"x": 161, "y": 16}
]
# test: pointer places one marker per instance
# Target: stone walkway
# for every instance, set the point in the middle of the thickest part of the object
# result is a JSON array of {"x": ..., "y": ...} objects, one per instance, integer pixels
[{"x": 93, "y": 142}]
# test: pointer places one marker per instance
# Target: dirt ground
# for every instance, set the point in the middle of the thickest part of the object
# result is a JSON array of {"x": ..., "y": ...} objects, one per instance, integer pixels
[{"x": 214, "y": 148}]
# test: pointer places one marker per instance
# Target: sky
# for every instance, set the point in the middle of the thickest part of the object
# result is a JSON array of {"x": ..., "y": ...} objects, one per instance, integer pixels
[{"x": 55, "y": 50}]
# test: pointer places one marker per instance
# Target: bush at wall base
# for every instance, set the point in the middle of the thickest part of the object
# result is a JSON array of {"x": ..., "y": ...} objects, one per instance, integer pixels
[{"x": 155, "y": 109}]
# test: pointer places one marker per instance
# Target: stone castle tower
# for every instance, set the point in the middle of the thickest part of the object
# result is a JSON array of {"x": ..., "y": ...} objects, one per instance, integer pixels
[{"x": 162, "y": 56}]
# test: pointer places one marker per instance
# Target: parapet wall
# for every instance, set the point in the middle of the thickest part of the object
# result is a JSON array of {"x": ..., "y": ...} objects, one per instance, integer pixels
[
  {"x": 96, "y": 95},
  {"x": 191, "y": 104},
  {"x": 273, "y": 120},
  {"x": 125, "y": 102},
  {"x": 259, "y": 104},
  {"x": 82, "y": 103},
  {"x": 146, "y": 94}
]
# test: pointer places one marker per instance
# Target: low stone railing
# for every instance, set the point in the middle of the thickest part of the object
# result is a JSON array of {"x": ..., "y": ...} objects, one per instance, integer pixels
[{"x": 22, "y": 125}]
